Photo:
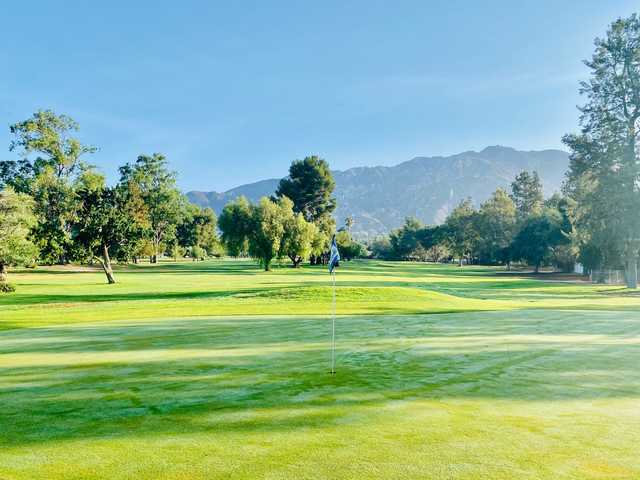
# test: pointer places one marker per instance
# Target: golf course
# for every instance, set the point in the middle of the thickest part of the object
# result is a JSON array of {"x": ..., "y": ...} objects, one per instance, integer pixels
[{"x": 216, "y": 369}]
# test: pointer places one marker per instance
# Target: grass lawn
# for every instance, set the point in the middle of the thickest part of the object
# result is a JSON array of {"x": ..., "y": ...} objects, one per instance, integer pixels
[{"x": 218, "y": 370}]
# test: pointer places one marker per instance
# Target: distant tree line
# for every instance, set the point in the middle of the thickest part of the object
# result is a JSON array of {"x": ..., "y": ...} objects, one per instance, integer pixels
[
  {"x": 296, "y": 223},
  {"x": 520, "y": 226},
  {"x": 56, "y": 208}
]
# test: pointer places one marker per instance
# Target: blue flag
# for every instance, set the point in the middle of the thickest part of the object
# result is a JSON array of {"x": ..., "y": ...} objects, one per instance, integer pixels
[{"x": 334, "y": 257}]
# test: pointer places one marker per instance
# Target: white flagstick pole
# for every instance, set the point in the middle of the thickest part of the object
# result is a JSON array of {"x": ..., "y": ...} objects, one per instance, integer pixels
[{"x": 333, "y": 327}]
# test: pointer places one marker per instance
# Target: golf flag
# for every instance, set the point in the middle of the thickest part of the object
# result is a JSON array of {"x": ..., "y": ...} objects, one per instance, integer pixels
[{"x": 334, "y": 257}]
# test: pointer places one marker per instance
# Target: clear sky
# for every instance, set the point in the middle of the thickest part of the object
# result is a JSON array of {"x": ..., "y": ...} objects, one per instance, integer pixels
[{"x": 232, "y": 92}]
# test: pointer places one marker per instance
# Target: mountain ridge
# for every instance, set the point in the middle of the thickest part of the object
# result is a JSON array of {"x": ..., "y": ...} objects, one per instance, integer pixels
[{"x": 380, "y": 197}]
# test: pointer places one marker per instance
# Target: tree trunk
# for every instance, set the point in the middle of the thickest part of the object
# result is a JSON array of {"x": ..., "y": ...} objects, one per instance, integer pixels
[
  {"x": 3, "y": 273},
  {"x": 632, "y": 272},
  {"x": 508, "y": 265},
  {"x": 106, "y": 265},
  {"x": 295, "y": 260},
  {"x": 537, "y": 267}
]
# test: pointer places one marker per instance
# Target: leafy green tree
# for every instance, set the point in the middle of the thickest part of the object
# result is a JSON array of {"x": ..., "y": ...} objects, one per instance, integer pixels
[
  {"x": 51, "y": 164},
  {"x": 462, "y": 235},
  {"x": 496, "y": 228},
  {"x": 298, "y": 237},
  {"x": 604, "y": 176},
  {"x": 51, "y": 135},
  {"x": 197, "y": 253},
  {"x": 235, "y": 224},
  {"x": 381, "y": 248},
  {"x": 267, "y": 231},
  {"x": 198, "y": 227},
  {"x": 348, "y": 247},
  {"x": 404, "y": 240},
  {"x": 310, "y": 186},
  {"x": 526, "y": 193},
  {"x": 433, "y": 240},
  {"x": 538, "y": 237},
  {"x": 101, "y": 226},
  {"x": 156, "y": 187},
  {"x": 16, "y": 220}
]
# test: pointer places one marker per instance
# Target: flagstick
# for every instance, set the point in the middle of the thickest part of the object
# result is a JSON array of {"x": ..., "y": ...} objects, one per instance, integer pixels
[{"x": 333, "y": 327}]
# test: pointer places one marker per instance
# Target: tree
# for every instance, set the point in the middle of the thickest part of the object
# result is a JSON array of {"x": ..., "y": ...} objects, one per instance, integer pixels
[
  {"x": 16, "y": 220},
  {"x": 526, "y": 193},
  {"x": 496, "y": 227},
  {"x": 267, "y": 231},
  {"x": 156, "y": 187},
  {"x": 381, "y": 248},
  {"x": 539, "y": 235},
  {"x": 404, "y": 240},
  {"x": 461, "y": 233},
  {"x": 310, "y": 186},
  {"x": 348, "y": 247},
  {"x": 102, "y": 226},
  {"x": 48, "y": 134},
  {"x": 433, "y": 240},
  {"x": 299, "y": 235},
  {"x": 235, "y": 224},
  {"x": 604, "y": 175},
  {"x": 49, "y": 177},
  {"x": 198, "y": 227}
]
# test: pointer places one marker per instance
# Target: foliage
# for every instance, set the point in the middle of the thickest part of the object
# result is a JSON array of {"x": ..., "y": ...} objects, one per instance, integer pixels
[
  {"x": 196, "y": 252},
  {"x": 16, "y": 220},
  {"x": 461, "y": 233},
  {"x": 198, "y": 227},
  {"x": 496, "y": 228},
  {"x": 50, "y": 178},
  {"x": 526, "y": 193},
  {"x": 348, "y": 247},
  {"x": 382, "y": 249},
  {"x": 404, "y": 241},
  {"x": 235, "y": 224},
  {"x": 310, "y": 186},
  {"x": 604, "y": 176},
  {"x": 299, "y": 235},
  {"x": 539, "y": 236},
  {"x": 102, "y": 225},
  {"x": 156, "y": 188},
  {"x": 267, "y": 231}
]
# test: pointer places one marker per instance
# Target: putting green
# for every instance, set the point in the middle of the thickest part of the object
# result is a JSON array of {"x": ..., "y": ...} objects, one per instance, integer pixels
[{"x": 526, "y": 394}]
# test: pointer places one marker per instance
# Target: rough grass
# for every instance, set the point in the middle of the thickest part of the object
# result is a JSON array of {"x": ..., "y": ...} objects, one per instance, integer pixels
[{"x": 147, "y": 379}]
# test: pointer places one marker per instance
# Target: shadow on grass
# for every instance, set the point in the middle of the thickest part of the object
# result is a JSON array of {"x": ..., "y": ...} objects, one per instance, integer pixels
[
  {"x": 270, "y": 374},
  {"x": 39, "y": 299}
]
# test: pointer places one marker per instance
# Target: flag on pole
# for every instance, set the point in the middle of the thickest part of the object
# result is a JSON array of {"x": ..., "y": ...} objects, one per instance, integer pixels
[{"x": 334, "y": 256}]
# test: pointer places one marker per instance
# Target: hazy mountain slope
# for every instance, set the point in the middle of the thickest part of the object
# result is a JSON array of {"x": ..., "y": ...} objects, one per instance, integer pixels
[{"x": 379, "y": 198}]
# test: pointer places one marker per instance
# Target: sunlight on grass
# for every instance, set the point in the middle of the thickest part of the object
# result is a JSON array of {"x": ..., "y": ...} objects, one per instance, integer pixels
[{"x": 190, "y": 377}]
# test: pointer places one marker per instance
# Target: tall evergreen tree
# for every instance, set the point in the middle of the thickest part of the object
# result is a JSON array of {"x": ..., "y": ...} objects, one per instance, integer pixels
[
  {"x": 526, "y": 193},
  {"x": 310, "y": 186},
  {"x": 604, "y": 174}
]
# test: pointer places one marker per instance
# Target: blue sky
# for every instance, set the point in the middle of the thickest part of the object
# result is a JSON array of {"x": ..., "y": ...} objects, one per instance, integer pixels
[{"x": 232, "y": 92}]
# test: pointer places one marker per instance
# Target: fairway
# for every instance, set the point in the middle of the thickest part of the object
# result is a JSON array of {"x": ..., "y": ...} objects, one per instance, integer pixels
[{"x": 218, "y": 370}]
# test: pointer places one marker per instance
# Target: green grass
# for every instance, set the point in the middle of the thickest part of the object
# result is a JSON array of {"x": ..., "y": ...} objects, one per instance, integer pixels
[{"x": 218, "y": 370}]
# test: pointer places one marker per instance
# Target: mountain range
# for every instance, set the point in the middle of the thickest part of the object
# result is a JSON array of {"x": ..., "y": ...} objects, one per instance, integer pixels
[{"x": 428, "y": 188}]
